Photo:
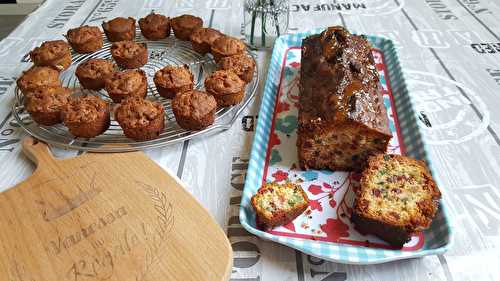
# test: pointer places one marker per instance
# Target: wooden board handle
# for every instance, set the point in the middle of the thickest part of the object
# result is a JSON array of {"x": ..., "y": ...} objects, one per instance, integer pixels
[{"x": 37, "y": 151}]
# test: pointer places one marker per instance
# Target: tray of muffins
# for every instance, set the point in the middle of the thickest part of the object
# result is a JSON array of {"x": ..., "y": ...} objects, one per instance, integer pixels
[
  {"x": 135, "y": 87},
  {"x": 338, "y": 167}
]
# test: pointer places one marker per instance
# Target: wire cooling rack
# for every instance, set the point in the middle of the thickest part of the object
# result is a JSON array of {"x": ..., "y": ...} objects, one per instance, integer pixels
[{"x": 169, "y": 51}]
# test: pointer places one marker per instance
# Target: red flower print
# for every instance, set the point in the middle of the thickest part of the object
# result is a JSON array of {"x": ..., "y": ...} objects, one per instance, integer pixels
[
  {"x": 333, "y": 203},
  {"x": 315, "y": 205},
  {"x": 315, "y": 189},
  {"x": 334, "y": 229},
  {"x": 326, "y": 194},
  {"x": 282, "y": 106},
  {"x": 290, "y": 226},
  {"x": 295, "y": 64},
  {"x": 275, "y": 140},
  {"x": 280, "y": 175}
]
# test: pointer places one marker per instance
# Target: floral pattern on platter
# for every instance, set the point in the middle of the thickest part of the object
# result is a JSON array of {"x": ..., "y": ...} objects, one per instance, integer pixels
[{"x": 331, "y": 193}]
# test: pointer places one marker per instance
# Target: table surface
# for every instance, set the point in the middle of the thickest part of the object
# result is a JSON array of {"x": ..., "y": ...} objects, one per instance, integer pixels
[{"x": 450, "y": 50}]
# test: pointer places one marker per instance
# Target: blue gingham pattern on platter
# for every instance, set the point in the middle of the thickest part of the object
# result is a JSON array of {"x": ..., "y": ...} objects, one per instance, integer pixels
[{"x": 273, "y": 158}]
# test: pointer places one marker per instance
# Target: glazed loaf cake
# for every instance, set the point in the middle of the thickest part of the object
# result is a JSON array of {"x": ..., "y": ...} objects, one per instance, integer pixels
[
  {"x": 397, "y": 198},
  {"x": 342, "y": 118}
]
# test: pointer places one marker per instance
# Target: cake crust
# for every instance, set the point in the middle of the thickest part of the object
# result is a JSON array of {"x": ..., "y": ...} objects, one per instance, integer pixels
[
  {"x": 173, "y": 80},
  {"x": 93, "y": 73},
  {"x": 278, "y": 204},
  {"x": 119, "y": 29},
  {"x": 140, "y": 119},
  {"x": 226, "y": 46},
  {"x": 203, "y": 38},
  {"x": 342, "y": 118},
  {"x": 86, "y": 116},
  {"x": 184, "y": 25},
  {"x": 194, "y": 110},
  {"x": 397, "y": 198},
  {"x": 128, "y": 83},
  {"x": 129, "y": 54},
  {"x": 44, "y": 104},
  {"x": 85, "y": 39},
  {"x": 155, "y": 26},
  {"x": 55, "y": 54},
  {"x": 243, "y": 65},
  {"x": 226, "y": 87},
  {"x": 38, "y": 76}
]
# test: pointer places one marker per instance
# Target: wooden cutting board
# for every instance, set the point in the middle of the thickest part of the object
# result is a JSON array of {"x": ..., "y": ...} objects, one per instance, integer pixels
[{"x": 99, "y": 216}]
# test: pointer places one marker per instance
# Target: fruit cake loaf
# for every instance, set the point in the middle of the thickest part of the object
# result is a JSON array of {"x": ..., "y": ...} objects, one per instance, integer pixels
[
  {"x": 397, "y": 198},
  {"x": 278, "y": 204},
  {"x": 342, "y": 118}
]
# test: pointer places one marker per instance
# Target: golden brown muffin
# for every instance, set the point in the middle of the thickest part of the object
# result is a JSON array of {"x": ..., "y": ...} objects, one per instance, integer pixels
[
  {"x": 155, "y": 26},
  {"x": 38, "y": 76},
  {"x": 278, "y": 204},
  {"x": 173, "y": 80},
  {"x": 194, "y": 110},
  {"x": 86, "y": 116},
  {"x": 119, "y": 29},
  {"x": 184, "y": 25},
  {"x": 129, "y": 54},
  {"x": 226, "y": 87},
  {"x": 397, "y": 198},
  {"x": 93, "y": 73},
  {"x": 202, "y": 39},
  {"x": 85, "y": 39},
  {"x": 128, "y": 83},
  {"x": 226, "y": 46},
  {"x": 44, "y": 104},
  {"x": 56, "y": 54},
  {"x": 140, "y": 119},
  {"x": 243, "y": 65}
]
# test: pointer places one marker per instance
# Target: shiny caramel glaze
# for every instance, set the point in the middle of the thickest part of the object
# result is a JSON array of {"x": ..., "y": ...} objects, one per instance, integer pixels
[{"x": 339, "y": 81}]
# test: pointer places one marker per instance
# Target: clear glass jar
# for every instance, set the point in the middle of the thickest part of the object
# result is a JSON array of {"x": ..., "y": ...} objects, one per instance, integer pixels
[{"x": 264, "y": 20}]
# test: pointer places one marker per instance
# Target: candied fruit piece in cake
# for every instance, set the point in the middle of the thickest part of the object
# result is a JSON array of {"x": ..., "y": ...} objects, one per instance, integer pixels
[
  {"x": 278, "y": 204},
  {"x": 397, "y": 198}
]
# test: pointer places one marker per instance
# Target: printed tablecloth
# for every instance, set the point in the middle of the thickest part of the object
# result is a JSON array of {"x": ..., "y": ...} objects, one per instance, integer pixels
[{"x": 450, "y": 51}]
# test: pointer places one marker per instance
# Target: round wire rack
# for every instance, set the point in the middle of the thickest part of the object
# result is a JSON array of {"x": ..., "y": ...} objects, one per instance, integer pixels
[{"x": 169, "y": 51}]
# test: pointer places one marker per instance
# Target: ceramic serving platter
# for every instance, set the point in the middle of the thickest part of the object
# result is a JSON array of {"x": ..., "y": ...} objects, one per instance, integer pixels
[{"x": 324, "y": 230}]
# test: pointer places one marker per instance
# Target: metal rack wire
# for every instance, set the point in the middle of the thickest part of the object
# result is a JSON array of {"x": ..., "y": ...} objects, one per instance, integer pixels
[{"x": 169, "y": 51}]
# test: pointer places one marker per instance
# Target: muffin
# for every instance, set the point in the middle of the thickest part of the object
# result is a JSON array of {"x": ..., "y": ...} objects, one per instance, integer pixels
[
  {"x": 86, "y": 116},
  {"x": 129, "y": 54},
  {"x": 38, "y": 76},
  {"x": 194, "y": 110},
  {"x": 202, "y": 39},
  {"x": 155, "y": 26},
  {"x": 140, "y": 119},
  {"x": 85, "y": 39},
  {"x": 119, "y": 29},
  {"x": 173, "y": 80},
  {"x": 56, "y": 54},
  {"x": 226, "y": 87},
  {"x": 183, "y": 26},
  {"x": 243, "y": 65},
  {"x": 128, "y": 83},
  {"x": 226, "y": 46},
  {"x": 93, "y": 73},
  {"x": 279, "y": 204},
  {"x": 44, "y": 104}
]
